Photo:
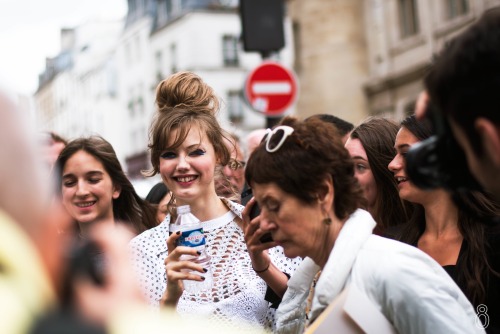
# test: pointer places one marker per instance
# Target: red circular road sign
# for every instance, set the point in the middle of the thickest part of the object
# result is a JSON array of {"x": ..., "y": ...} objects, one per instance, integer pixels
[{"x": 271, "y": 89}]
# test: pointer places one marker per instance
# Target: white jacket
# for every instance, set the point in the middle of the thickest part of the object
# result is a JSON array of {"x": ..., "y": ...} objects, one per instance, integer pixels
[{"x": 411, "y": 289}]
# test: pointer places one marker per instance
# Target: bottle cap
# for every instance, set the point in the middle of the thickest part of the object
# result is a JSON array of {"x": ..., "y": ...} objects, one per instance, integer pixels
[{"x": 183, "y": 209}]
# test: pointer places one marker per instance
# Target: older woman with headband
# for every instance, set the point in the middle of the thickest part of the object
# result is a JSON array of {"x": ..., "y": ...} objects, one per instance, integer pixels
[{"x": 303, "y": 180}]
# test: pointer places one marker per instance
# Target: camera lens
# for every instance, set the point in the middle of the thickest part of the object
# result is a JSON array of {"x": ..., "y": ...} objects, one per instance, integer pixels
[{"x": 423, "y": 164}]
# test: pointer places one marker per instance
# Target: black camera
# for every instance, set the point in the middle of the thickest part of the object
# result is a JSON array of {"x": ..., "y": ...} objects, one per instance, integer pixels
[
  {"x": 85, "y": 260},
  {"x": 438, "y": 161}
]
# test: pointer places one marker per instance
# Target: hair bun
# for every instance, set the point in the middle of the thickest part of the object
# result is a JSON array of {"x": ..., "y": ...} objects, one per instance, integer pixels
[{"x": 188, "y": 90}]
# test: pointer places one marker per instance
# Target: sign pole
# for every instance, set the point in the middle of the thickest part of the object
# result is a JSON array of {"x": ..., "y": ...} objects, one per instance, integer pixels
[{"x": 270, "y": 121}]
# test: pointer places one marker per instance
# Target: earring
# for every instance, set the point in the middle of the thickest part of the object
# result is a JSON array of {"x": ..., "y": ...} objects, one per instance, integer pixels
[{"x": 327, "y": 220}]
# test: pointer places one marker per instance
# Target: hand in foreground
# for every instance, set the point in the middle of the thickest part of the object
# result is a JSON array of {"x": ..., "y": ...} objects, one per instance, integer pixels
[{"x": 120, "y": 288}]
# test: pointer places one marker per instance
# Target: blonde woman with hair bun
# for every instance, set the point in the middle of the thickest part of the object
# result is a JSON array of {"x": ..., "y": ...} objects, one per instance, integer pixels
[{"x": 187, "y": 145}]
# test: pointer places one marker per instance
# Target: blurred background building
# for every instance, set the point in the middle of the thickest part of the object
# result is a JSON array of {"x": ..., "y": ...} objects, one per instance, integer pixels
[
  {"x": 356, "y": 58},
  {"x": 104, "y": 80},
  {"x": 353, "y": 58}
]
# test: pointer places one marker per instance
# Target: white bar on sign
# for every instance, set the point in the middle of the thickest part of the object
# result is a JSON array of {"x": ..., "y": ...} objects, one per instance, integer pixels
[{"x": 271, "y": 87}]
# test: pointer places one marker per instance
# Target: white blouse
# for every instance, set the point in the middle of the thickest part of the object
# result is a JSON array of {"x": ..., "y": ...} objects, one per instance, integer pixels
[{"x": 237, "y": 295}]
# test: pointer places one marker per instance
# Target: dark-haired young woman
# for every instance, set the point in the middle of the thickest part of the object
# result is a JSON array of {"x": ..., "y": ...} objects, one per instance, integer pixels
[
  {"x": 467, "y": 248},
  {"x": 371, "y": 146},
  {"x": 95, "y": 190}
]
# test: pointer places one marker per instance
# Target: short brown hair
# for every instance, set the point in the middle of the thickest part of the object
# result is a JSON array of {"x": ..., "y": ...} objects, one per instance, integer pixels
[{"x": 311, "y": 153}]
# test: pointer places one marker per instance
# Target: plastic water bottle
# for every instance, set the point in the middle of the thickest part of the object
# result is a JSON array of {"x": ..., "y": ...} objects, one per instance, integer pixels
[{"x": 192, "y": 236}]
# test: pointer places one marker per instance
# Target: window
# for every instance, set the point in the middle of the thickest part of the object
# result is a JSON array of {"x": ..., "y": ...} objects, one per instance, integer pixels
[
  {"x": 158, "y": 64},
  {"x": 138, "y": 48},
  {"x": 135, "y": 139},
  {"x": 141, "y": 6},
  {"x": 173, "y": 8},
  {"x": 131, "y": 104},
  {"x": 139, "y": 102},
  {"x": 111, "y": 82},
  {"x": 457, "y": 8},
  {"x": 140, "y": 106},
  {"x": 168, "y": 6},
  {"x": 408, "y": 18},
  {"x": 230, "y": 50},
  {"x": 173, "y": 58},
  {"x": 132, "y": 6},
  {"x": 128, "y": 53},
  {"x": 234, "y": 107},
  {"x": 229, "y": 3},
  {"x": 162, "y": 13},
  {"x": 131, "y": 109},
  {"x": 297, "y": 46},
  {"x": 409, "y": 108}
]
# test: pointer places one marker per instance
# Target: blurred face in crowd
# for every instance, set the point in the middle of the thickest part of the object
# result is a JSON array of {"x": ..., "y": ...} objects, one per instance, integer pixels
[
  {"x": 50, "y": 149},
  {"x": 87, "y": 189},
  {"x": 235, "y": 170},
  {"x": 407, "y": 190},
  {"x": 362, "y": 170},
  {"x": 188, "y": 170},
  {"x": 253, "y": 140},
  {"x": 162, "y": 210},
  {"x": 293, "y": 224}
]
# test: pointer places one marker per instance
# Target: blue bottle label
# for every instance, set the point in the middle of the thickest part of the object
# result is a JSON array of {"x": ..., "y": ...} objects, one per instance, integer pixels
[{"x": 192, "y": 238}]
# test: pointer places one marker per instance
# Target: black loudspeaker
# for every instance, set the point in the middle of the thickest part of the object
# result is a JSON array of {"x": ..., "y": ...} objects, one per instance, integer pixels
[{"x": 262, "y": 25}]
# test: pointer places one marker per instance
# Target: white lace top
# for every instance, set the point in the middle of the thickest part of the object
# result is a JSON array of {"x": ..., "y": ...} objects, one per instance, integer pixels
[{"x": 237, "y": 295}]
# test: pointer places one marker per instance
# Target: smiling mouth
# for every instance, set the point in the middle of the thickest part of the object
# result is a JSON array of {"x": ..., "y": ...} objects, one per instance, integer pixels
[
  {"x": 185, "y": 179},
  {"x": 401, "y": 179},
  {"x": 85, "y": 204}
]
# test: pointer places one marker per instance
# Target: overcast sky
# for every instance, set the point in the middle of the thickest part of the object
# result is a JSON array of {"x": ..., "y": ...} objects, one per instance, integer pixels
[{"x": 30, "y": 31}]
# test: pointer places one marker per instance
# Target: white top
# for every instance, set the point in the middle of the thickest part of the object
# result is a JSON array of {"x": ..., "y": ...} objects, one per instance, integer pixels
[
  {"x": 411, "y": 289},
  {"x": 237, "y": 296}
]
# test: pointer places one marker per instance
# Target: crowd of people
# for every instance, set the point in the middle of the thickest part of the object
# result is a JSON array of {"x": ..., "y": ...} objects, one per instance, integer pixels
[{"x": 339, "y": 213}]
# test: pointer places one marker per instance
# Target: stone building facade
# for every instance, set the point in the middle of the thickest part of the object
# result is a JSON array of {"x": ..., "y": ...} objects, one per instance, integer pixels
[
  {"x": 357, "y": 58},
  {"x": 330, "y": 57}
]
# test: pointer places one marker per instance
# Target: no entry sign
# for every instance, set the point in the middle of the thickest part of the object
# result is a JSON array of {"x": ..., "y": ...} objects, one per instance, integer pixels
[{"x": 271, "y": 89}]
